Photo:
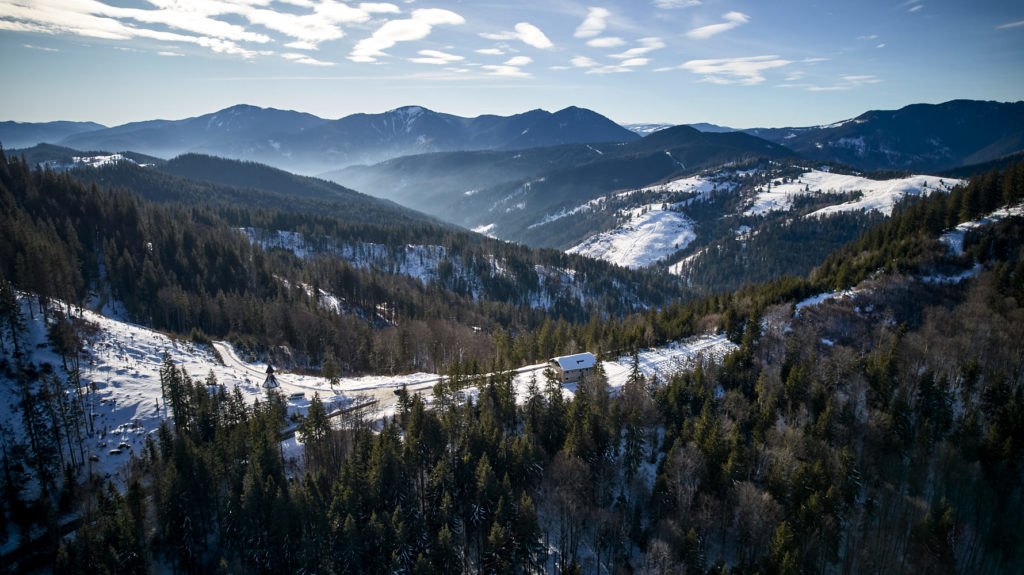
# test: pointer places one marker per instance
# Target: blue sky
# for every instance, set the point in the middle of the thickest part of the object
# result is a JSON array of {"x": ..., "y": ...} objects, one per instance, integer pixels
[{"x": 730, "y": 62}]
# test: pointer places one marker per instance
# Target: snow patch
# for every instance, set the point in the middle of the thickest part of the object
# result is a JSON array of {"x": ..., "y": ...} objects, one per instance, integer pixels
[
  {"x": 877, "y": 195},
  {"x": 955, "y": 237},
  {"x": 649, "y": 234}
]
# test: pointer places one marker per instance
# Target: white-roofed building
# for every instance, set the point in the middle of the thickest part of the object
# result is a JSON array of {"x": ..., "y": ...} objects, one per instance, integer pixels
[{"x": 573, "y": 367}]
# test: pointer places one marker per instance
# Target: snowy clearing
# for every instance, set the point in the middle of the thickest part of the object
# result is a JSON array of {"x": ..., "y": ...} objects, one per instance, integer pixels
[
  {"x": 878, "y": 195},
  {"x": 649, "y": 234}
]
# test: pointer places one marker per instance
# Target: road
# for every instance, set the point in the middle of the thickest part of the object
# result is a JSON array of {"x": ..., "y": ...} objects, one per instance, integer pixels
[{"x": 383, "y": 392}]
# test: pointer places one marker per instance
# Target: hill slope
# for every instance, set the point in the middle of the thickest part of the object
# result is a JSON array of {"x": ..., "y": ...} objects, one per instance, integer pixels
[{"x": 922, "y": 138}]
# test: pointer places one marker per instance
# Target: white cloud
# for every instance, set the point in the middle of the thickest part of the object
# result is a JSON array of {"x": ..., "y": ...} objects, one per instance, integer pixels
[
  {"x": 732, "y": 20},
  {"x": 490, "y": 52},
  {"x": 417, "y": 27},
  {"x": 524, "y": 31},
  {"x": 304, "y": 59},
  {"x": 379, "y": 8},
  {"x": 220, "y": 25},
  {"x": 583, "y": 62},
  {"x": 532, "y": 35},
  {"x": 608, "y": 42},
  {"x": 518, "y": 61},
  {"x": 301, "y": 45},
  {"x": 646, "y": 45},
  {"x": 862, "y": 79},
  {"x": 613, "y": 69},
  {"x": 634, "y": 62},
  {"x": 846, "y": 82},
  {"x": 594, "y": 23},
  {"x": 436, "y": 57},
  {"x": 670, "y": 4},
  {"x": 43, "y": 48},
  {"x": 1010, "y": 25},
  {"x": 511, "y": 71},
  {"x": 882, "y": 45},
  {"x": 168, "y": 53},
  {"x": 915, "y": 8},
  {"x": 746, "y": 71}
]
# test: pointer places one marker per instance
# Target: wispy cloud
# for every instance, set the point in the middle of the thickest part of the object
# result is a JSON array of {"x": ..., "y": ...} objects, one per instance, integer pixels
[
  {"x": 392, "y": 32},
  {"x": 305, "y": 59},
  {"x": 670, "y": 4},
  {"x": 436, "y": 57},
  {"x": 584, "y": 62},
  {"x": 594, "y": 23},
  {"x": 915, "y": 8},
  {"x": 169, "y": 53},
  {"x": 525, "y": 32},
  {"x": 490, "y": 51},
  {"x": 509, "y": 71},
  {"x": 845, "y": 82},
  {"x": 732, "y": 20},
  {"x": 607, "y": 42},
  {"x": 518, "y": 61},
  {"x": 745, "y": 71},
  {"x": 646, "y": 45},
  {"x": 219, "y": 25},
  {"x": 42, "y": 48},
  {"x": 1011, "y": 25}
]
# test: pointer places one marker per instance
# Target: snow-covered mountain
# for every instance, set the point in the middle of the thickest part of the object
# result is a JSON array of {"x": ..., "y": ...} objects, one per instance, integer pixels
[{"x": 677, "y": 223}]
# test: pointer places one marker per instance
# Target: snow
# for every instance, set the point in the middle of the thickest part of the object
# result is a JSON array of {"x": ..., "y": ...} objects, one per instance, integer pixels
[
  {"x": 416, "y": 261},
  {"x": 877, "y": 195},
  {"x": 486, "y": 229},
  {"x": 955, "y": 237},
  {"x": 823, "y": 297},
  {"x": 649, "y": 234},
  {"x": 592, "y": 204},
  {"x": 122, "y": 365}
]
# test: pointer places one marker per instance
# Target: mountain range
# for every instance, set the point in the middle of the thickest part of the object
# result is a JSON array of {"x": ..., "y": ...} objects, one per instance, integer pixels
[
  {"x": 308, "y": 144},
  {"x": 922, "y": 138}
]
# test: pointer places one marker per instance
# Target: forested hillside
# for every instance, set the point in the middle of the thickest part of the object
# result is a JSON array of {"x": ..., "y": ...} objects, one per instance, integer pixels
[
  {"x": 185, "y": 265},
  {"x": 868, "y": 422}
]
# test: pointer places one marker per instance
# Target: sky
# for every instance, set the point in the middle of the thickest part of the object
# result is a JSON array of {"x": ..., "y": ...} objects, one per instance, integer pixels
[{"x": 735, "y": 63}]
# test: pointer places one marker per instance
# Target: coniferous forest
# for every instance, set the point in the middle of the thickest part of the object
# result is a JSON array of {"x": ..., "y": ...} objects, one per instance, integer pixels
[{"x": 877, "y": 432}]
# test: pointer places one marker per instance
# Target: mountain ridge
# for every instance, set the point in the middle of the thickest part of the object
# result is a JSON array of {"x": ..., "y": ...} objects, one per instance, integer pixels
[{"x": 308, "y": 144}]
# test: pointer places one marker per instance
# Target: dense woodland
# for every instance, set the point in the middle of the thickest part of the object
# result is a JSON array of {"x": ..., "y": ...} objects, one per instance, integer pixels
[{"x": 876, "y": 433}]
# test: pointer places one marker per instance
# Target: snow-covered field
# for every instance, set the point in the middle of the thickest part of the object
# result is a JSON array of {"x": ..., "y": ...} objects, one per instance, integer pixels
[
  {"x": 878, "y": 195},
  {"x": 649, "y": 234}
]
